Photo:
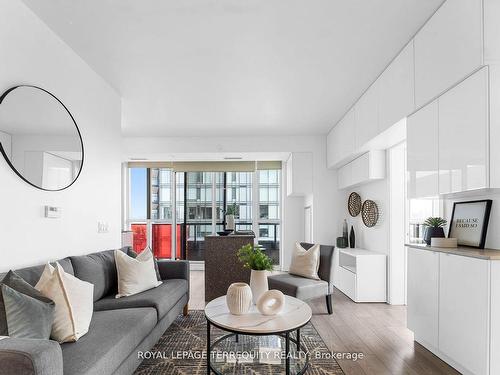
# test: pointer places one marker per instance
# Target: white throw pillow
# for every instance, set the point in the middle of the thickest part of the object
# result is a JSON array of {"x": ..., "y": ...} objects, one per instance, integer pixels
[
  {"x": 135, "y": 275},
  {"x": 305, "y": 263},
  {"x": 73, "y": 299}
]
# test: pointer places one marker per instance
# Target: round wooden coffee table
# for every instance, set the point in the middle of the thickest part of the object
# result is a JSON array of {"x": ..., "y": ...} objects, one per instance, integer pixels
[{"x": 253, "y": 325}]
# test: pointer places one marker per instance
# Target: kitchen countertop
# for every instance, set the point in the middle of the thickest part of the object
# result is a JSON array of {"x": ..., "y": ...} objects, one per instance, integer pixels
[{"x": 488, "y": 254}]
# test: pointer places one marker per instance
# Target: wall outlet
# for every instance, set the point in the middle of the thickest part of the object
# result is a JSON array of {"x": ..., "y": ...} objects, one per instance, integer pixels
[{"x": 102, "y": 227}]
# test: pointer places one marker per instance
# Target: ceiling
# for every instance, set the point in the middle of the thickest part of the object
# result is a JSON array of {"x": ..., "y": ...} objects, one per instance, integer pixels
[{"x": 235, "y": 67}]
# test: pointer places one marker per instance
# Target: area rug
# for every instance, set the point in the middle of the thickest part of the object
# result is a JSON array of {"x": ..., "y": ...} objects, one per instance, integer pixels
[{"x": 182, "y": 351}]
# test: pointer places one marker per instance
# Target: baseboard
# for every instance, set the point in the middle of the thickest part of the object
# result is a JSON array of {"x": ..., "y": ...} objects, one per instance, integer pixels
[{"x": 443, "y": 356}]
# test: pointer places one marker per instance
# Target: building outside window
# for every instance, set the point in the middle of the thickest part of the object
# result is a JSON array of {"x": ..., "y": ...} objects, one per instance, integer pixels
[
  {"x": 269, "y": 211},
  {"x": 201, "y": 196}
]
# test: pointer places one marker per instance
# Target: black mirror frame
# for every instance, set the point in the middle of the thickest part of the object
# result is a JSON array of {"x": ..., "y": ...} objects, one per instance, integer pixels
[{"x": 77, "y": 130}]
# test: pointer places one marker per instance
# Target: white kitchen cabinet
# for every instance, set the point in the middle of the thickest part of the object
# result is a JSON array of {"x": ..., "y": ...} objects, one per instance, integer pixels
[
  {"x": 367, "y": 113},
  {"x": 340, "y": 140},
  {"x": 463, "y": 135},
  {"x": 464, "y": 311},
  {"x": 368, "y": 167},
  {"x": 397, "y": 88},
  {"x": 422, "y": 152},
  {"x": 454, "y": 305},
  {"x": 332, "y": 151},
  {"x": 423, "y": 295},
  {"x": 448, "y": 48},
  {"x": 344, "y": 176},
  {"x": 491, "y": 11},
  {"x": 299, "y": 174}
]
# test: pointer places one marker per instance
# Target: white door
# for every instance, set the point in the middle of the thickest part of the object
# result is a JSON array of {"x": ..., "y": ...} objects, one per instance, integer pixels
[
  {"x": 422, "y": 152},
  {"x": 423, "y": 295},
  {"x": 397, "y": 88},
  {"x": 367, "y": 114},
  {"x": 447, "y": 48},
  {"x": 464, "y": 311},
  {"x": 463, "y": 132}
]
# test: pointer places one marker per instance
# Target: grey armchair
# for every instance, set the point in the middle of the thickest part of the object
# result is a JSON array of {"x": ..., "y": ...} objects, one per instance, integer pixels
[{"x": 306, "y": 289}]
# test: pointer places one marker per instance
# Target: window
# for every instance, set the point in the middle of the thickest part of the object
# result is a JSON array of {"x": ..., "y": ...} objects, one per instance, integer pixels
[
  {"x": 264, "y": 211},
  {"x": 201, "y": 200},
  {"x": 156, "y": 184},
  {"x": 269, "y": 212},
  {"x": 418, "y": 211},
  {"x": 138, "y": 193}
]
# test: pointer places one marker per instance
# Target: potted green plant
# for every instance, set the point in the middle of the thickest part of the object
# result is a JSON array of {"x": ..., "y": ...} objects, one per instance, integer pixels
[
  {"x": 434, "y": 228},
  {"x": 231, "y": 213},
  {"x": 259, "y": 263}
]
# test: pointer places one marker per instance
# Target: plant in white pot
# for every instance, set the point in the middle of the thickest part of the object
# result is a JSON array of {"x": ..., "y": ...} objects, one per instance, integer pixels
[
  {"x": 255, "y": 259},
  {"x": 231, "y": 213}
]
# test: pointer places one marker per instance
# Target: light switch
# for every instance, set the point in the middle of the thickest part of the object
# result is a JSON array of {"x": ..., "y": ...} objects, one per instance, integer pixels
[{"x": 102, "y": 227}]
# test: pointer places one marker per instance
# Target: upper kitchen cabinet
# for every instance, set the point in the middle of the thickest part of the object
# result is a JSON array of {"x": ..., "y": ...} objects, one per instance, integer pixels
[
  {"x": 448, "y": 48},
  {"x": 463, "y": 135},
  {"x": 340, "y": 141},
  {"x": 491, "y": 31},
  {"x": 299, "y": 174},
  {"x": 397, "y": 89},
  {"x": 422, "y": 152},
  {"x": 367, "y": 115}
]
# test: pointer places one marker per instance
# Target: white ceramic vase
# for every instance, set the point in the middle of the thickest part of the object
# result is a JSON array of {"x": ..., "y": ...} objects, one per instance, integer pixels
[
  {"x": 258, "y": 284},
  {"x": 239, "y": 298},
  {"x": 271, "y": 302},
  {"x": 230, "y": 222}
]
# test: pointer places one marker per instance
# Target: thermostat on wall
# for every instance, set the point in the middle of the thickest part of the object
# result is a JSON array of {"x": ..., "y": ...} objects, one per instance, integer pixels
[{"x": 53, "y": 212}]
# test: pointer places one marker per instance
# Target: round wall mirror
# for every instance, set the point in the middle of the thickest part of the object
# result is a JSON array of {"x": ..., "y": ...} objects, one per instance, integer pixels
[{"x": 39, "y": 138}]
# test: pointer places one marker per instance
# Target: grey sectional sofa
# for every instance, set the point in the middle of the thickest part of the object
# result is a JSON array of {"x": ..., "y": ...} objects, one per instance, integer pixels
[{"x": 120, "y": 328}]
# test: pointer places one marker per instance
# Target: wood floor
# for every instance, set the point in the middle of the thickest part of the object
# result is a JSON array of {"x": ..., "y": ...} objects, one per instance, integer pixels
[{"x": 377, "y": 330}]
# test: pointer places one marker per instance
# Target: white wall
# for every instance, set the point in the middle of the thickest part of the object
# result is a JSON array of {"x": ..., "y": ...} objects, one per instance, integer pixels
[
  {"x": 326, "y": 200},
  {"x": 32, "y": 54},
  {"x": 375, "y": 238},
  {"x": 6, "y": 141}
]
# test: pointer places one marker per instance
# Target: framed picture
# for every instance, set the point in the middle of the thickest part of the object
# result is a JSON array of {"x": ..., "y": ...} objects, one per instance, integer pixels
[{"x": 469, "y": 222}]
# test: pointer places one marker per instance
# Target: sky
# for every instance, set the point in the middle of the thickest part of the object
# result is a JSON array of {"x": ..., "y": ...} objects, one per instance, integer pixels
[{"x": 138, "y": 193}]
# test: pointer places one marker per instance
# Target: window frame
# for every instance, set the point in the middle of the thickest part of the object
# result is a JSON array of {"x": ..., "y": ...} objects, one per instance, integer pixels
[{"x": 255, "y": 221}]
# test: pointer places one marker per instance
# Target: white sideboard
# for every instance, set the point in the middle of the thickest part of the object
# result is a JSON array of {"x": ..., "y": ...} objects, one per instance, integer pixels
[
  {"x": 361, "y": 274},
  {"x": 454, "y": 305}
]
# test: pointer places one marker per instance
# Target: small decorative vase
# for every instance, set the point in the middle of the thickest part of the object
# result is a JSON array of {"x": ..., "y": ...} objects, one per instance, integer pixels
[
  {"x": 341, "y": 242},
  {"x": 258, "y": 284},
  {"x": 239, "y": 298},
  {"x": 230, "y": 222},
  {"x": 344, "y": 229},
  {"x": 431, "y": 232},
  {"x": 271, "y": 302},
  {"x": 352, "y": 238}
]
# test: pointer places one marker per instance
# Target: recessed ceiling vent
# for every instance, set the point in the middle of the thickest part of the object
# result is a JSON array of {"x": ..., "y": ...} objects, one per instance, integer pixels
[{"x": 232, "y": 158}]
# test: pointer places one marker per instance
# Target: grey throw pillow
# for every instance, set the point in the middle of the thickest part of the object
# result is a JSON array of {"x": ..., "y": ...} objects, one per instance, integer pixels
[
  {"x": 131, "y": 253},
  {"x": 16, "y": 282},
  {"x": 27, "y": 317}
]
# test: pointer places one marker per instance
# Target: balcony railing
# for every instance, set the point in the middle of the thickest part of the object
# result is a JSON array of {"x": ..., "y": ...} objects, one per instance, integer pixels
[{"x": 194, "y": 246}]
